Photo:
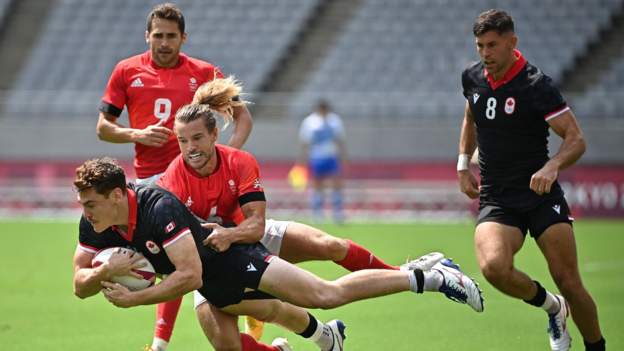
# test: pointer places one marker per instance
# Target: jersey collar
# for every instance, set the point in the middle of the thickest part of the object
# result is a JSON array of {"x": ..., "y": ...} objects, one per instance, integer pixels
[
  {"x": 132, "y": 217},
  {"x": 509, "y": 75}
]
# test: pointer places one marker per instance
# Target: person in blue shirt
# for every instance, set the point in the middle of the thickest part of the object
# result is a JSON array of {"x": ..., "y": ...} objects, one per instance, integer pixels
[{"x": 322, "y": 139}]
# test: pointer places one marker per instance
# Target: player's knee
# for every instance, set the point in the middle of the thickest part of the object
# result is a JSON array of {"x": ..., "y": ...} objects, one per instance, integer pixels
[
  {"x": 495, "y": 272},
  {"x": 568, "y": 283},
  {"x": 327, "y": 297},
  {"x": 271, "y": 311},
  {"x": 336, "y": 248}
]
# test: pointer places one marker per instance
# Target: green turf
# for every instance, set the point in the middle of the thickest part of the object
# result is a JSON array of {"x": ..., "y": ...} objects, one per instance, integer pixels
[{"x": 38, "y": 310}]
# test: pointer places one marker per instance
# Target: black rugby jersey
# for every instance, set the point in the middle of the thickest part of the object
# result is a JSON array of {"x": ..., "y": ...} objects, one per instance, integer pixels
[
  {"x": 511, "y": 117},
  {"x": 156, "y": 220}
]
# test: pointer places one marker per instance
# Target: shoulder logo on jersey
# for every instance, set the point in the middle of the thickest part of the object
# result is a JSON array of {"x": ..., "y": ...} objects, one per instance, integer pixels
[
  {"x": 232, "y": 185},
  {"x": 475, "y": 98},
  {"x": 510, "y": 105},
  {"x": 137, "y": 83},
  {"x": 170, "y": 227},
  {"x": 192, "y": 84},
  {"x": 257, "y": 184},
  {"x": 189, "y": 202},
  {"x": 152, "y": 247},
  {"x": 557, "y": 209}
]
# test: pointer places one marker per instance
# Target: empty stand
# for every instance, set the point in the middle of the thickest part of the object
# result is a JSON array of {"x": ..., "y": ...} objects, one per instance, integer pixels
[
  {"x": 82, "y": 40},
  {"x": 405, "y": 57}
]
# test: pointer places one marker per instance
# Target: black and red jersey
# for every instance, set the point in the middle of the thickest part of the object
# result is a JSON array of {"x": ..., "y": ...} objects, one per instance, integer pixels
[
  {"x": 511, "y": 117},
  {"x": 156, "y": 220}
]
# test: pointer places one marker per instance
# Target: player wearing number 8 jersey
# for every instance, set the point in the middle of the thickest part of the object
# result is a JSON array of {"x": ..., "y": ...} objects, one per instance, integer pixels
[
  {"x": 510, "y": 106},
  {"x": 152, "y": 86}
]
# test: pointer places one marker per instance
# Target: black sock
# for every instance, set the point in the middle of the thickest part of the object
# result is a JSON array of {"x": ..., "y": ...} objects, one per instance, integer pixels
[
  {"x": 599, "y": 345},
  {"x": 311, "y": 328},
  {"x": 420, "y": 280},
  {"x": 539, "y": 298}
]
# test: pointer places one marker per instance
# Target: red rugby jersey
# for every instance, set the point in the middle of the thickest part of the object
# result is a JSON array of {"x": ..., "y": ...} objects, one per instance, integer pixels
[
  {"x": 152, "y": 93},
  {"x": 235, "y": 182}
]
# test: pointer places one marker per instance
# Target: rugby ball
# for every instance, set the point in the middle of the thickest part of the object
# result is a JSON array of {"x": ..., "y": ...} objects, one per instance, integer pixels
[{"x": 130, "y": 282}]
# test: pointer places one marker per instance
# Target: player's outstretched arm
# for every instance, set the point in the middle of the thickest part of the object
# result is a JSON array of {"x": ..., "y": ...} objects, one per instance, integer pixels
[
  {"x": 243, "y": 123},
  {"x": 467, "y": 145},
  {"x": 87, "y": 280},
  {"x": 186, "y": 277}
]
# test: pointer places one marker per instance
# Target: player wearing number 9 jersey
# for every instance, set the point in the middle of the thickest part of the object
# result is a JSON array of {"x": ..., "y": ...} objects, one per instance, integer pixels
[{"x": 152, "y": 86}]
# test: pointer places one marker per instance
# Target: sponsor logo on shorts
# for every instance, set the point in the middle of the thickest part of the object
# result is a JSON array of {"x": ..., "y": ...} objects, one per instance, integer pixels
[
  {"x": 557, "y": 208},
  {"x": 251, "y": 268}
]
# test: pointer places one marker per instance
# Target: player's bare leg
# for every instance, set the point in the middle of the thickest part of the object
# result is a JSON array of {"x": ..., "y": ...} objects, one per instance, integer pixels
[
  {"x": 327, "y": 336},
  {"x": 495, "y": 247},
  {"x": 305, "y": 243},
  {"x": 221, "y": 329},
  {"x": 304, "y": 289},
  {"x": 559, "y": 248},
  {"x": 273, "y": 311}
]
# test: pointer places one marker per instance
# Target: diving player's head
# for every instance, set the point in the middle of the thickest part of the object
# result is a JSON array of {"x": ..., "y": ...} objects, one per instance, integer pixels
[
  {"x": 165, "y": 34},
  {"x": 101, "y": 187},
  {"x": 195, "y": 124},
  {"x": 496, "y": 41}
]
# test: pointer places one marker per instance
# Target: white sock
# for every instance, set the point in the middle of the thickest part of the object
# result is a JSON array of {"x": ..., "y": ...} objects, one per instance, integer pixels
[
  {"x": 322, "y": 336},
  {"x": 551, "y": 304},
  {"x": 433, "y": 280},
  {"x": 159, "y": 344}
]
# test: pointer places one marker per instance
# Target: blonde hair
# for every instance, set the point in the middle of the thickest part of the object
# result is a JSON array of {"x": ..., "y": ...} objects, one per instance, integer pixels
[{"x": 220, "y": 95}]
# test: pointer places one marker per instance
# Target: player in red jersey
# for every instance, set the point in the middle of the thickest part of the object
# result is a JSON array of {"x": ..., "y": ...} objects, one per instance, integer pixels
[
  {"x": 218, "y": 181},
  {"x": 152, "y": 86}
]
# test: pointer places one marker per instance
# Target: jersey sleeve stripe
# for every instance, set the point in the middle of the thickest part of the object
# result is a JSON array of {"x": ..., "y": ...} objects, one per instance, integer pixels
[
  {"x": 89, "y": 249},
  {"x": 109, "y": 108},
  {"x": 250, "y": 197},
  {"x": 175, "y": 238},
  {"x": 556, "y": 113}
]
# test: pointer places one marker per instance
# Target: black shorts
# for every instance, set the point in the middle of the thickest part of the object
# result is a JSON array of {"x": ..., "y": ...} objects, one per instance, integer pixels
[
  {"x": 227, "y": 274},
  {"x": 536, "y": 220}
]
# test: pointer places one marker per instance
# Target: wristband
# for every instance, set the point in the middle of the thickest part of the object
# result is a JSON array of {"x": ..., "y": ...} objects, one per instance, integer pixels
[{"x": 463, "y": 162}]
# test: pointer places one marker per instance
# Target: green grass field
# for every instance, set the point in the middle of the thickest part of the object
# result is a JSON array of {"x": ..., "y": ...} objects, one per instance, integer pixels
[{"x": 38, "y": 310}]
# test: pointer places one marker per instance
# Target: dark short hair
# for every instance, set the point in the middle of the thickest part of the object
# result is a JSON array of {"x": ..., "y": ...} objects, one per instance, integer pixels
[
  {"x": 166, "y": 11},
  {"x": 101, "y": 174},
  {"x": 493, "y": 20}
]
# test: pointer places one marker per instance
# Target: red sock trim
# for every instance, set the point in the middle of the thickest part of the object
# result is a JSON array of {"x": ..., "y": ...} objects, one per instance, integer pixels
[
  {"x": 359, "y": 258},
  {"x": 248, "y": 343},
  {"x": 166, "y": 314}
]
